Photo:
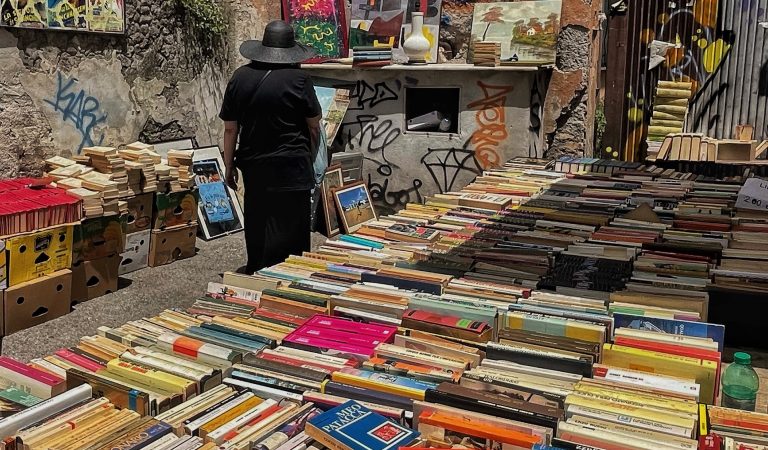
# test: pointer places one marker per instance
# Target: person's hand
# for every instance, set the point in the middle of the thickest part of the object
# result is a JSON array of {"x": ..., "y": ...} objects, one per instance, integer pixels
[{"x": 232, "y": 178}]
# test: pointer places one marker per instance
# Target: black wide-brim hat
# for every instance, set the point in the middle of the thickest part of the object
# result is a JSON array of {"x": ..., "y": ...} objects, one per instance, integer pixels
[{"x": 279, "y": 46}]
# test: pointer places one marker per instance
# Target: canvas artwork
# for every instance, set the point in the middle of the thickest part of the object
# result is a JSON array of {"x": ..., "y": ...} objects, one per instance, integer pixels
[
  {"x": 388, "y": 22},
  {"x": 24, "y": 13},
  {"x": 334, "y": 103},
  {"x": 354, "y": 203},
  {"x": 99, "y": 16},
  {"x": 333, "y": 180},
  {"x": 319, "y": 24},
  {"x": 527, "y": 30},
  {"x": 68, "y": 14},
  {"x": 219, "y": 212}
]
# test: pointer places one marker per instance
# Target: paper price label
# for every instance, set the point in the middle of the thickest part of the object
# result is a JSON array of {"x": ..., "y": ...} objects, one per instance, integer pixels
[{"x": 753, "y": 195}]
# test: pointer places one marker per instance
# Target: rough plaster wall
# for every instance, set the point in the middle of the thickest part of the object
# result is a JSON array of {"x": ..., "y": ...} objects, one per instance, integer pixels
[
  {"x": 569, "y": 108},
  {"x": 402, "y": 166},
  {"x": 62, "y": 91}
]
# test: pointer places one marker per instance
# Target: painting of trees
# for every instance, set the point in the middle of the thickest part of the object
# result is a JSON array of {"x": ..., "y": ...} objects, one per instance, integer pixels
[{"x": 493, "y": 15}]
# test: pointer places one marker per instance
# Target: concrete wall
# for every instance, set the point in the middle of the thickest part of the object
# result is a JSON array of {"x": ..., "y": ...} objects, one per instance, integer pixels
[
  {"x": 62, "y": 91},
  {"x": 402, "y": 166}
]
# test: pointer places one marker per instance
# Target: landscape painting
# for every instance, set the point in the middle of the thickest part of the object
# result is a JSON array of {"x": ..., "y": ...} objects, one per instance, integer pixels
[
  {"x": 527, "y": 31},
  {"x": 354, "y": 202}
]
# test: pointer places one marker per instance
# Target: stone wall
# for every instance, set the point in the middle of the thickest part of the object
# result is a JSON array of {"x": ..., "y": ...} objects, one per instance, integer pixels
[
  {"x": 569, "y": 109},
  {"x": 60, "y": 92},
  {"x": 401, "y": 166}
]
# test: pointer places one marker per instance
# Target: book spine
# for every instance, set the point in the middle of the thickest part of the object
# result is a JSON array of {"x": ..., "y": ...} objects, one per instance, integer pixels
[
  {"x": 154, "y": 378},
  {"x": 379, "y": 331},
  {"x": 29, "y": 372}
]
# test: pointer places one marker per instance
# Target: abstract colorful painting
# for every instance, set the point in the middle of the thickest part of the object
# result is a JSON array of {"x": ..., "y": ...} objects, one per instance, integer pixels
[
  {"x": 388, "y": 22},
  {"x": 527, "y": 31},
  {"x": 319, "y": 24}
]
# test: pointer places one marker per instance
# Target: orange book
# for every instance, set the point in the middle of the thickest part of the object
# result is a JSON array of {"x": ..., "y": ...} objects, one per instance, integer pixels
[{"x": 474, "y": 427}]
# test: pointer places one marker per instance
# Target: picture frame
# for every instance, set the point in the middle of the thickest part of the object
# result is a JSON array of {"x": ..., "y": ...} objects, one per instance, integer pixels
[
  {"x": 218, "y": 212},
  {"x": 333, "y": 179},
  {"x": 87, "y": 16},
  {"x": 355, "y": 206}
]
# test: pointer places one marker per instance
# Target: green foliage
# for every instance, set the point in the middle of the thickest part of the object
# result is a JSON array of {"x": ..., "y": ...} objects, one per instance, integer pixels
[
  {"x": 537, "y": 40},
  {"x": 206, "y": 18},
  {"x": 600, "y": 123}
]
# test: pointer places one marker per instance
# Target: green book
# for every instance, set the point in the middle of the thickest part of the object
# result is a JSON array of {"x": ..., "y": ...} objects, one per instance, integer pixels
[{"x": 19, "y": 397}]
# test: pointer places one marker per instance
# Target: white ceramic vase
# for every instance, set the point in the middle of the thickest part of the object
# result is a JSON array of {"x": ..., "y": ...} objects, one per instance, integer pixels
[{"x": 416, "y": 46}]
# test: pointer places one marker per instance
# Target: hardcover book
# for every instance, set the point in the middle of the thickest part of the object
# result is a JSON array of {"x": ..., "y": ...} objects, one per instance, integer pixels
[{"x": 352, "y": 426}]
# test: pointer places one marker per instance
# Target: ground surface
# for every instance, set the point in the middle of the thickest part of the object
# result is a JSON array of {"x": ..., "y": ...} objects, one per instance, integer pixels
[{"x": 144, "y": 293}]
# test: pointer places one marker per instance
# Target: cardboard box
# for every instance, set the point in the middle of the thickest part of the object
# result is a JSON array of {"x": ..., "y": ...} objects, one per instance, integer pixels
[
  {"x": 172, "y": 245},
  {"x": 98, "y": 238},
  {"x": 136, "y": 254},
  {"x": 174, "y": 209},
  {"x": 38, "y": 301},
  {"x": 139, "y": 213},
  {"x": 38, "y": 254},
  {"x": 92, "y": 279}
]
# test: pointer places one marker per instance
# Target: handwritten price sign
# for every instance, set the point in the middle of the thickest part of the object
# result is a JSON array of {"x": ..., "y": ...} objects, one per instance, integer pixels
[{"x": 753, "y": 195}]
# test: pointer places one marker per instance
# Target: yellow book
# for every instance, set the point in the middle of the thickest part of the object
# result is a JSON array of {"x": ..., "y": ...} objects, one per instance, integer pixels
[
  {"x": 153, "y": 378},
  {"x": 556, "y": 326},
  {"x": 655, "y": 401},
  {"x": 230, "y": 415},
  {"x": 668, "y": 418},
  {"x": 705, "y": 372}
]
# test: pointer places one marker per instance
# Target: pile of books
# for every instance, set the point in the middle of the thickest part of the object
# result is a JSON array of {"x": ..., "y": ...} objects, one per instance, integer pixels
[
  {"x": 530, "y": 309},
  {"x": 30, "y": 204},
  {"x": 180, "y": 162},
  {"x": 375, "y": 56},
  {"x": 487, "y": 54}
]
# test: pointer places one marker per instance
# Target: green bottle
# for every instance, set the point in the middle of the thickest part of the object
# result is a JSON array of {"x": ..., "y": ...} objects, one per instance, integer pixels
[{"x": 740, "y": 384}]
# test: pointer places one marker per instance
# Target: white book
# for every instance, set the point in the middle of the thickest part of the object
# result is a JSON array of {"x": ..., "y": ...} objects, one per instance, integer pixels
[
  {"x": 264, "y": 392},
  {"x": 192, "y": 427},
  {"x": 11, "y": 425},
  {"x": 646, "y": 424}
]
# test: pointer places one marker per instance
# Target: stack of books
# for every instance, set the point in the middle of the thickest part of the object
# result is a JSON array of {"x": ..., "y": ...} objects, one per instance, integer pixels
[
  {"x": 181, "y": 168},
  {"x": 376, "y": 56},
  {"x": 30, "y": 204},
  {"x": 106, "y": 160},
  {"x": 487, "y": 54}
]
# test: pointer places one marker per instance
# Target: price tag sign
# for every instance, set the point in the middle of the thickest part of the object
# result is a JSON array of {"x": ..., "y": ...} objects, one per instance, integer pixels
[{"x": 753, "y": 195}]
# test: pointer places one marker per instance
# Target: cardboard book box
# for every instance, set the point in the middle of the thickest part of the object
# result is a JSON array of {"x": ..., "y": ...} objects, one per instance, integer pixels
[
  {"x": 34, "y": 255},
  {"x": 136, "y": 254},
  {"x": 92, "y": 279},
  {"x": 175, "y": 209},
  {"x": 139, "y": 213},
  {"x": 98, "y": 238},
  {"x": 172, "y": 244},
  {"x": 35, "y": 302}
]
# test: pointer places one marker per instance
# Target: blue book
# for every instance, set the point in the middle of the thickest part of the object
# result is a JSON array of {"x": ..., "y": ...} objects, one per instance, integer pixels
[
  {"x": 352, "y": 426},
  {"x": 361, "y": 241},
  {"x": 672, "y": 326}
]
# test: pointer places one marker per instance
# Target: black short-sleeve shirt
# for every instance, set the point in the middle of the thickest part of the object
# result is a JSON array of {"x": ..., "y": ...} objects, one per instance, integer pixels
[{"x": 274, "y": 144}]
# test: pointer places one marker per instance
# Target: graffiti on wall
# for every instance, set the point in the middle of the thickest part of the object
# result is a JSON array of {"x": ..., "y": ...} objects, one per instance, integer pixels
[
  {"x": 446, "y": 164},
  {"x": 372, "y": 134},
  {"x": 78, "y": 109},
  {"x": 491, "y": 121},
  {"x": 696, "y": 48}
]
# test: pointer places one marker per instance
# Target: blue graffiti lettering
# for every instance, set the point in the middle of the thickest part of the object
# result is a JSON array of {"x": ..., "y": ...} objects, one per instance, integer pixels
[{"x": 81, "y": 110}]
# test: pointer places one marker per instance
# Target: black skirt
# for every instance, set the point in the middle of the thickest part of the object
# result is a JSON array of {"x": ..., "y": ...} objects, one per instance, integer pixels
[{"x": 277, "y": 223}]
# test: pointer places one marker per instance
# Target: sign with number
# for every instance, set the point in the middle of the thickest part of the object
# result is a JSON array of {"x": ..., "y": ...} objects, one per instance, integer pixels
[{"x": 753, "y": 195}]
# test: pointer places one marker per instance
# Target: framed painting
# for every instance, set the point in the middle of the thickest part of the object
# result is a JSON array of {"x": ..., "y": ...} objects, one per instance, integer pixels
[
  {"x": 388, "y": 22},
  {"x": 526, "y": 30},
  {"x": 319, "y": 24},
  {"x": 333, "y": 180},
  {"x": 218, "y": 211},
  {"x": 355, "y": 206}
]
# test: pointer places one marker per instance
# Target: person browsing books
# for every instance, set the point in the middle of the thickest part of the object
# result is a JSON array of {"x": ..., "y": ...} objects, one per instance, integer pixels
[{"x": 270, "y": 106}]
